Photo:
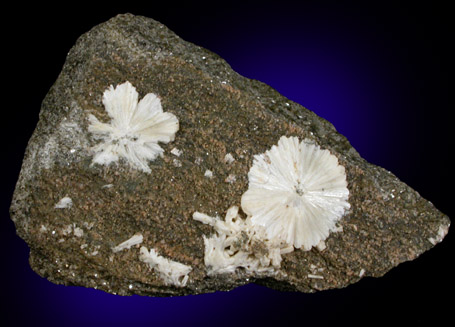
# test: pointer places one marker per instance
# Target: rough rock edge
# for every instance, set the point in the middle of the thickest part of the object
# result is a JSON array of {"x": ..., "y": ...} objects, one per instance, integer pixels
[{"x": 292, "y": 111}]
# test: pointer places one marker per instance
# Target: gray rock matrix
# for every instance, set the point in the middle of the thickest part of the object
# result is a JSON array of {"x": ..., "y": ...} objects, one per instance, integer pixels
[{"x": 220, "y": 113}]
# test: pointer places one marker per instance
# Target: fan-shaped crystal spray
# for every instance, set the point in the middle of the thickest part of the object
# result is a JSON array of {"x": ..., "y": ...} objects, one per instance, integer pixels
[
  {"x": 297, "y": 192},
  {"x": 134, "y": 130}
]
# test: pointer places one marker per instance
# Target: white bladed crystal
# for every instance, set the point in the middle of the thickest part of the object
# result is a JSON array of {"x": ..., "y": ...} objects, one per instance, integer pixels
[
  {"x": 64, "y": 203},
  {"x": 238, "y": 244},
  {"x": 134, "y": 240},
  {"x": 171, "y": 272},
  {"x": 297, "y": 192},
  {"x": 134, "y": 130}
]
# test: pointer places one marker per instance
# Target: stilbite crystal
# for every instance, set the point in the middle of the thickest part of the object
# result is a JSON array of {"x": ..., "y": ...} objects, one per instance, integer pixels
[{"x": 219, "y": 113}]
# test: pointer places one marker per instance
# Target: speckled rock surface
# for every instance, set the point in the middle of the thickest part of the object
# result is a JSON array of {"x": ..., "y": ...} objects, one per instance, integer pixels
[{"x": 220, "y": 112}]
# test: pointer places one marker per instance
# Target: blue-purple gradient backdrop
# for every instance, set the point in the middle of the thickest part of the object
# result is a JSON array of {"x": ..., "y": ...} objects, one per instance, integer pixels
[{"x": 377, "y": 71}]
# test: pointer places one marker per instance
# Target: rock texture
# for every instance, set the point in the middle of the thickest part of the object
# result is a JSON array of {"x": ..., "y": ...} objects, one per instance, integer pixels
[{"x": 220, "y": 113}]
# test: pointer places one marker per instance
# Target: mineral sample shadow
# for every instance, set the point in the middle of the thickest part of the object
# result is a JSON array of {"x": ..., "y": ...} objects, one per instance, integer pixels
[{"x": 104, "y": 223}]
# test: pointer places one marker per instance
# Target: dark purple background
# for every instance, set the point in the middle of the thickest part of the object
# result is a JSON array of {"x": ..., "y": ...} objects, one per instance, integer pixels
[{"x": 377, "y": 71}]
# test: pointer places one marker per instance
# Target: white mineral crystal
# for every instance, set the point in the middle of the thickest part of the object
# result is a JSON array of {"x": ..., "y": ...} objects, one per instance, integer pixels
[
  {"x": 134, "y": 240},
  {"x": 177, "y": 163},
  {"x": 176, "y": 152},
  {"x": 78, "y": 232},
  {"x": 171, "y": 272},
  {"x": 107, "y": 186},
  {"x": 231, "y": 178},
  {"x": 237, "y": 243},
  {"x": 64, "y": 203},
  {"x": 321, "y": 246},
  {"x": 297, "y": 192},
  {"x": 228, "y": 158},
  {"x": 134, "y": 130}
]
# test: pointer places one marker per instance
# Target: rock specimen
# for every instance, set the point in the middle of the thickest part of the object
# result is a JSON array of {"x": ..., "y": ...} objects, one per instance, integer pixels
[{"x": 135, "y": 174}]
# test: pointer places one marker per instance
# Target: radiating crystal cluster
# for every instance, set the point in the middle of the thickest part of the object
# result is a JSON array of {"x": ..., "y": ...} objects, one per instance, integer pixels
[
  {"x": 134, "y": 130},
  {"x": 237, "y": 243},
  {"x": 171, "y": 272},
  {"x": 134, "y": 240},
  {"x": 297, "y": 192}
]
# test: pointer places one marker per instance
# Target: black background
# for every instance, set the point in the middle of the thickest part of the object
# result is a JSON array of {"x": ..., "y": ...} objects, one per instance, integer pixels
[{"x": 413, "y": 140}]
